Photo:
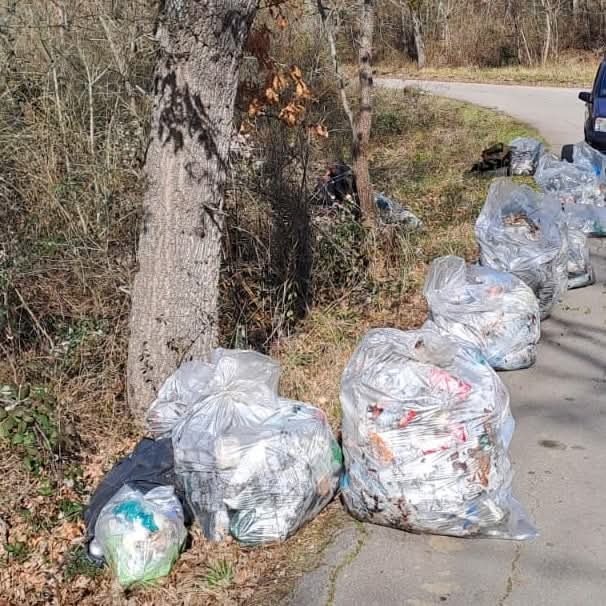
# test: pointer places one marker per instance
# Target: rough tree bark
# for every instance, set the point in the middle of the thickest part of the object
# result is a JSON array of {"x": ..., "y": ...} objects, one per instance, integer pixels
[
  {"x": 174, "y": 296},
  {"x": 361, "y": 131}
]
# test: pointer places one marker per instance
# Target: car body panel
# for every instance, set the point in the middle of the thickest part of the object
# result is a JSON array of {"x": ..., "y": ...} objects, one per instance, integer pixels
[{"x": 596, "y": 108}]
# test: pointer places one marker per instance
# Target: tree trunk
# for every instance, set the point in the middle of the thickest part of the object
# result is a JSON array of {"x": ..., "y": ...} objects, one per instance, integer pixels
[
  {"x": 405, "y": 20},
  {"x": 361, "y": 132},
  {"x": 418, "y": 36},
  {"x": 547, "y": 42},
  {"x": 175, "y": 292}
]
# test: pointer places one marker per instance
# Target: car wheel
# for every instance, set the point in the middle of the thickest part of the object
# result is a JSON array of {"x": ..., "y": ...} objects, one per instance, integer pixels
[{"x": 568, "y": 153}]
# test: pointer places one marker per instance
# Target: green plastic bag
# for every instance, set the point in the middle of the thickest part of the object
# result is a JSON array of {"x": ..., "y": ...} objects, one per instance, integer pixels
[{"x": 141, "y": 535}]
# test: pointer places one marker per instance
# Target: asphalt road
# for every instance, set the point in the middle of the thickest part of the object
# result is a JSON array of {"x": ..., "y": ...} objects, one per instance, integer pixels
[
  {"x": 558, "y": 452},
  {"x": 556, "y": 112}
]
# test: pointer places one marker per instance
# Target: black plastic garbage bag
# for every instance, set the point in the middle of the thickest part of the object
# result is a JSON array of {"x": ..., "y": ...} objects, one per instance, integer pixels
[{"x": 149, "y": 465}]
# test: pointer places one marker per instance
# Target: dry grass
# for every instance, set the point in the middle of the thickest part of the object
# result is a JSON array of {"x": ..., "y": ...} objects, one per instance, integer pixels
[{"x": 576, "y": 71}]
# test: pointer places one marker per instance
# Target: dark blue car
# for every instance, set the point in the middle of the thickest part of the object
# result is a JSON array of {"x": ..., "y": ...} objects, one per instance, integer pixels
[{"x": 595, "y": 115}]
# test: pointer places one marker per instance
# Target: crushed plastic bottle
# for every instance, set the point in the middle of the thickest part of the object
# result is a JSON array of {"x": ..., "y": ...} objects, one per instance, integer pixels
[
  {"x": 492, "y": 310},
  {"x": 426, "y": 428}
]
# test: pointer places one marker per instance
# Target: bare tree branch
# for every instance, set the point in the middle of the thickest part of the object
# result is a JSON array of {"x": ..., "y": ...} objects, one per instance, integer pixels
[{"x": 335, "y": 62}]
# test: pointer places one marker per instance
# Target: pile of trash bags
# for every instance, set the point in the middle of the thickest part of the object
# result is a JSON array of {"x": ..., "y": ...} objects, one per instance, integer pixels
[
  {"x": 426, "y": 428},
  {"x": 491, "y": 310},
  {"x": 229, "y": 452},
  {"x": 251, "y": 464},
  {"x": 580, "y": 187},
  {"x": 140, "y": 535},
  {"x": 525, "y": 155},
  {"x": 524, "y": 232},
  {"x": 571, "y": 183}
]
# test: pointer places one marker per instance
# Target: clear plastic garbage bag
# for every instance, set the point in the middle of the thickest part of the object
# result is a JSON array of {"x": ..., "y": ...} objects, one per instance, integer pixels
[
  {"x": 525, "y": 154},
  {"x": 571, "y": 183},
  {"x": 140, "y": 535},
  {"x": 178, "y": 394},
  {"x": 194, "y": 381},
  {"x": 523, "y": 232},
  {"x": 589, "y": 219},
  {"x": 492, "y": 310},
  {"x": 252, "y": 464},
  {"x": 580, "y": 270},
  {"x": 426, "y": 428},
  {"x": 589, "y": 159}
]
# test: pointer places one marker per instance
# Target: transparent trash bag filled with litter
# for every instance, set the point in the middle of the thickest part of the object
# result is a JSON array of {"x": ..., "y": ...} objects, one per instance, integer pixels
[
  {"x": 426, "y": 428},
  {"x": 141, "y": 535},
  {"x": 492, "y": 310},
  {"x": 252, "y": 464},
  {"x": 589, "y": 219},
  {"x": 523, "y": 232},
  {"x": 580, "y": 270},
  {"x": 525, "y": 154},
  {"x": 570, "y": 183},
  {"x": 589, "y": 159}
]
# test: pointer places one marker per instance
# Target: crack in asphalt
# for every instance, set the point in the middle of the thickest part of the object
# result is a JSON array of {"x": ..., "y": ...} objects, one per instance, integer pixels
[{"x": 345, "y": 562}]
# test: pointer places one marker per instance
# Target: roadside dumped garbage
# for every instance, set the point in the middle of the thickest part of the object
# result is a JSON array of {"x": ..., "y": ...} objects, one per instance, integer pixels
[
  {"x": 580, "y": 186},
  {"x": 150, "y": 465},
  {"x": 252, "y": 464},
  {"x": 589, "y": 159},
  {"x": 591, "y": 220},
  {"x": 426, "y": 427},
  {"x": 495, "y": 162},
  {"x": 492, "y": 310},
  {"x": 580, "y": 270},
  {"x": 523, "y": 232},
  {"x": 141, "y": 535},
  {"x": 571, "y": 183},
  {"x": 525, "y": 154},
  {"x": 391, "y": 212},
  {"x": 338, "y": 185}
]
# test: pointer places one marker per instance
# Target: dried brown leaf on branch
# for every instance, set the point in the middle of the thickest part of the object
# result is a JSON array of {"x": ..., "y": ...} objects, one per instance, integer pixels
[
  {"x": 254, "y": 107},
  {"x": 291, "y": 113},
  {"x": 272, "y": 96},
  {"x": 319, "y": 130}
]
